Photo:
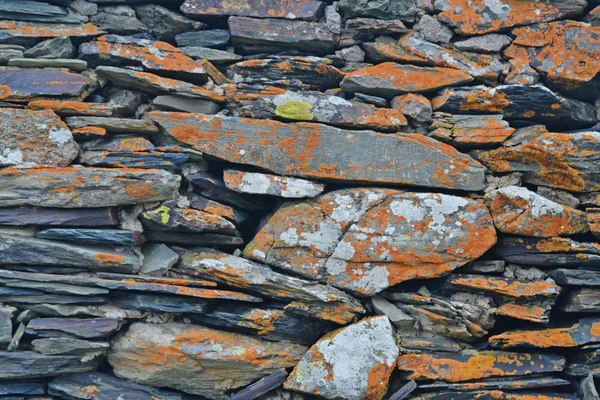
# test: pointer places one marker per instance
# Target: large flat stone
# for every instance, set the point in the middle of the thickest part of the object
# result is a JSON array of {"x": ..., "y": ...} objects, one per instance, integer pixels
[
  {"x": 383, "y": 9},
  {"x": 193, "y": 358},
  {"x": 295, "y": 9},
  {"x": 22, "y": 32},
  {"x": 470, "y": 130},
  {"x": 77, "y": 187},
  {"x": 273, "y": 185},
  {"x": 29, "y": 10},
  {"x": 27, "y": 364},
  {"x": 31, "y": 138},
  {"x": 323, "y": 152},
  {"x": 553, "y": 252},
  {"x": 90, "y": 217},
  {"x": 23, "y": 85},
  {"x": 365, "y": 240},
  {"x": 356, "y": 360}
]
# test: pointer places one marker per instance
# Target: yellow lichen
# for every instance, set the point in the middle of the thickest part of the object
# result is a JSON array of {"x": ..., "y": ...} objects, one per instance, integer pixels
[{"x": 295, "y": 109}]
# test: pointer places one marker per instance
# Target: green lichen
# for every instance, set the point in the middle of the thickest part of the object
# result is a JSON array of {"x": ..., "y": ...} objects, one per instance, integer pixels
[
  {"x": 295, "y": 109},
  {"x": 162, "y": 212}
]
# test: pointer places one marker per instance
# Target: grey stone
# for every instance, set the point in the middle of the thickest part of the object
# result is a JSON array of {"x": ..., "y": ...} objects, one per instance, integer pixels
[
  {"x": 498, "y": 182},
  {"x": 113, "y": 124},
  {"x": 67, "y": 345},
  {"x": 72, "y": 64},
  {"x": 274, "y": 185},
  {"x": 116, "y": 23},
  {"x": 397, "y": 317},
  {"x": 405, "y": 10},
  {"x": 368, "y": 99},
  {"x": 6, "y": 315},
  {"x": 414, "y": 106},
  {"x": 29, "y": 10},
  {"x": 521, "y": 73},
  {"x": 59, "y": 47},
  {"x": 178, "y": 103},
  {"x": 212, "y": 55},
  {"x": 158, "y": 259},
  {"x": 359, "y": 30},
  {"x": 16, "y": 339},
  {"x": 433, "y": 30},
  {"x": 490, "y": 43},
  {"x": 588, "y": 387},
  {"x": 210, "y": 38},
  {"x": 7, "y": 54},
  {"x": 305, "y": 9},
  {"x": 125, "y": 102},
  {"x": 333, "y": 20},
  {"x": 353, "y": 53},
  {"x": 83, "y": 7},
  {"x": 559, "y": 196},
  {"x": 163, "y": 23}
]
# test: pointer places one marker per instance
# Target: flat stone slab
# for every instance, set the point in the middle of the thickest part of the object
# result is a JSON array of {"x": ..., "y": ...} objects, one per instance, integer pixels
[
  {"x": 68, "y": 108},
  {"x": 85, "y": 328},
  {"x": 295, "y": 9},
  {"x": 117, "y": 237},
  {"x": 274, "y": 185},
  {"x": 23, "y": 85},
  {"x": 553, "y": 252},
  {"x": 31, "y": 138},
  {"x": 173, "y": 219},
  {"x": 20, "y": 32},
  {"x": 470, "y": 130},
  {"x": 88, "y": 217},
  {"x": 328, "y": 157},
  {"x": 27, "y": 364}
]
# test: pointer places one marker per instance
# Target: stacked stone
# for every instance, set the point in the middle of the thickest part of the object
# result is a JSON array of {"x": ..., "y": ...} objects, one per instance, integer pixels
[{"x": 300, "y": 199}]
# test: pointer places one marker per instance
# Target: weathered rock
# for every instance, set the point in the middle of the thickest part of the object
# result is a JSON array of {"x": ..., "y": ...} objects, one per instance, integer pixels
[
  {"x": 6, "y": 315},
  {"x": 518, "y": 211},
  {"x": 214, "y": 207},
  {"x": 210, "y": 38},
  {"x": 433, "y": 30},
  {"x": 163, "y": 23},
  {"x": 32, "y": 138},
  {"x": 490, "y": 43},
  {"x": 89, "y": 328},
  {"x": 88, "y": 132},
  {"x": 113, "y": 124},
  {"x": 117, "y": 237},
  {"x": 91, "y": 217},
  {"x": 584, "y": 332},
  {"x": 584, "y": 300},
  {"x": 276, "y": 103},
  {"x": 439, "y": 165},
  {"x": 60, "y": 47},
  {"x": 27, "y": 364},
  {"x": 173, "y": 219},
  {"x": 496, "y": 385},
  {"x": 575, "y": 277},
  {"x": 324, "y": 302},
  {"x": 58, "y": 288},
  {"x": 550, "y": 49},
  {"x": 396, "y": 316},
  {"x": 23, "y": 85},
  {"x": 160, "y": 303},
  {"x": 155, "y": 159},
  {"x": 554, "y": 252},
  {"x": 53, "y": 299},
  {"x": 367, "y": 347},
  {"x": 274, "y": 185},
  {"x": 111, "y": 20},
  {"x": 74, "y": 65},
  {"x": 480, "y": 16},
  {"x": 470, "y": 130},
  {"x": 316, "y": 239},
  {"x": 521, "y": 73},
  {"x": 172, "y": 355},
  {"x": 68, "y": 108},
  {"x": 158, "y": 259},
  {"x": 106, "y": 386},
  {"x": 358, "y": 30},
  {"x": 21, "y": 32},
  {"x": 519, "y": 103},
  {"x": 155, "y": 56},
  {"x": 493, "y": 395},
  {"x": 178, "y": 103},
  {"x": 557, "y": 160},
  {"x": 386, "y": 9},
  {"x": 8, "y": 388},
  {"x": 415, "y": 106},
  {"x": 27, "y": 10},
  {"x": 430, "y": 344},
  {"x": 511, "y": 288},
  {"x": 150, "y": 83},
  {"x": 211, "y": 55},
  {"x": 310, "y": 37},
  {"x": 84, "y": 187},
  {"x": 19, "y": 250},
  {"x": 195, "y": 239},
  {"x": 119, "y": 143},
  {"x": 309, "y": 9},
  {"x": 391, "y": 79},
  {"x": 353, "y": 54},
  {"x": 296, "y": 72},
  {"x": 459, "y": 367},
  {"x": 411, "y": 48}
]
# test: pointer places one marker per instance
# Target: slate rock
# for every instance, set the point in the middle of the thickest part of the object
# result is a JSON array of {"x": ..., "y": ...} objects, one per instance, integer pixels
[
  {"x": 479, "y": 17},
  {"x": 358, "y": 30},
  {"x": 309, "y": 9},
  {"x": 362, "y": 372},
  {"x": 153, "y": 84},
  {"x": 554, "y": 252},
  {"x": 113, "y": 124},
  {"x": 174, "y": 219},
  {"x": 519, "y": 103},
  {"x": 500, "y": 384},
  {"x": 74, "y": 65},
  {"x": 391, "y": 79},
  {"x": 583, "y": 300},
  {"x": 216, "y": 240},
  {"x": 116, "y": 237},
  {"x": 490, "y": 43},
  {"x": 160, "y": 303},
  {"x": 415, "y": 106},
  {"x": 549, "y": 49},
  {"x": 412, "y": 48},
  {"x": 77, "y": 187},
  {"x": 310, "y": 37},
  {"x": 8, "y": 388},
  {"x": 152, "y": 55},
  {"x": 216, "y": 38},
  {"x": 68, "y": 108},
  {"x": 329, "y": 160},
  {"x": 59, "y": 47},
  {"x": 470, "y": 130},
  {"x": 6, "y": 315},
  {"x": 513, "y": 288},
  {"x": 158, "y": 259},
  {"x": 521, "y": 74},
  {"x": 433, "y": 30},
  {"x": 150, "y": 160},
  {"x": 22, "y": 85},
  {"x": 326, "y": 303},
  {"x": 173, "y": 355},
  {"x": 262, "y": 386},
  {"x": 27, "y": 10},
  {"x": 396, "y": 316},
  {"x": 296, "y": 72},
  {"x": 21, "y": 32},
  {"x": 119, "y": 143},
  {"x": 68, "y": 346},
  {"x": 315, "y": 238},
  {"x": 180, "y": 103},
  {"x": 556, "y": 160},
  {"x": 575, "y": 277},
  {"x": 584, "y": 332},
  {"x": 387, "y": 9},
  {"x": 27, "y": 364},
  {"x": 31, "y": 138},
  {"x": 105, "y": 386},
  {"x": 489, "y": 364},
  {"x": 16, "y": 339},
  {"x": 274, "y": 185},
  {"x": 19, "y": 250},
  {"x": 494, "y": 395},
  {"x": 163, "y": 23},
  {"x": 211, "y": 55},
  {"x": 121, "y": 24},
  {"x": 277, "y": 103},
  {"x": 92, "y": 328},
  {"x": 518, "y": 211},
  {"x": 91, "y": 217},
  {"x": 214, "y": 207}
]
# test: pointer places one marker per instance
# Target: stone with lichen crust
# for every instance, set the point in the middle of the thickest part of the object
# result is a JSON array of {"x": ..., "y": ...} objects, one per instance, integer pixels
[
  {"x": 194, "y": 359},
  {"x": 317, "y": 151},
  {"x": 354, "y": 362},
  {"x": 305, "y": 9},
  {"x": 274, "y": 185},
  {"x": 365, "y": 240}
]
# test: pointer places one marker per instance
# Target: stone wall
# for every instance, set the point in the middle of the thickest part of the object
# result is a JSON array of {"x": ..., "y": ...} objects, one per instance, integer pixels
[{"x": 299, "y": 199}]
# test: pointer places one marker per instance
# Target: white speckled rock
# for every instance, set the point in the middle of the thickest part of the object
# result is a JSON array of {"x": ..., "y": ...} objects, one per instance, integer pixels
[
  {"x": 353, "y": 363},
  {"x": 274, "y": 185}
]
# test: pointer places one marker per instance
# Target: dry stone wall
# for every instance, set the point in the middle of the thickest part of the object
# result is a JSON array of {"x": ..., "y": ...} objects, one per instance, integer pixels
[{"x": 299, "y": 199}]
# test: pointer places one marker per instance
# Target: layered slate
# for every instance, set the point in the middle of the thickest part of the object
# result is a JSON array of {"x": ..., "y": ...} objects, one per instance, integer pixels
[
  {"x": 332, "y": 237},
  {"x": 439, "y": 165},
  {"x": 254, "y": 8}
]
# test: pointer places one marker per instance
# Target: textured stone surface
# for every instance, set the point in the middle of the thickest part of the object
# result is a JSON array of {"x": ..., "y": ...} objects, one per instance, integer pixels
[
  {"x": 491, "y": 43},
  {"x": 519, "y": 211},
  {"x": 308, "y": 9},
  {"x": 68, "y": 108},
  {"x": 257, "y": 183},
  {"x": 31, "y": 138},
  {"x": 192, "y": 358},
  {"x": 470, "y": 130},
  {"x": 384, "y": 9},
  {"x": 22, "y": 31},
  {"x": 338, "y": 245},
  {"x": 31, "y": 84},
  {"x": 27, "y": 364},
  {"x": 330, "y": 370},
  {"x": 173, "y": 219},
  {"x": 439, "y": 165}
]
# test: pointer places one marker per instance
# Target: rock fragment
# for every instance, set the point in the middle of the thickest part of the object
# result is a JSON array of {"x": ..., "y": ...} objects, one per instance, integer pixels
[
  {"x": 23, "y": 85},
  {"x": 309, "y": 9},
  {"x": 274, "y": 185},
  {"x": 470, "y": 130},
  {"x": 386, "y": 9}
]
